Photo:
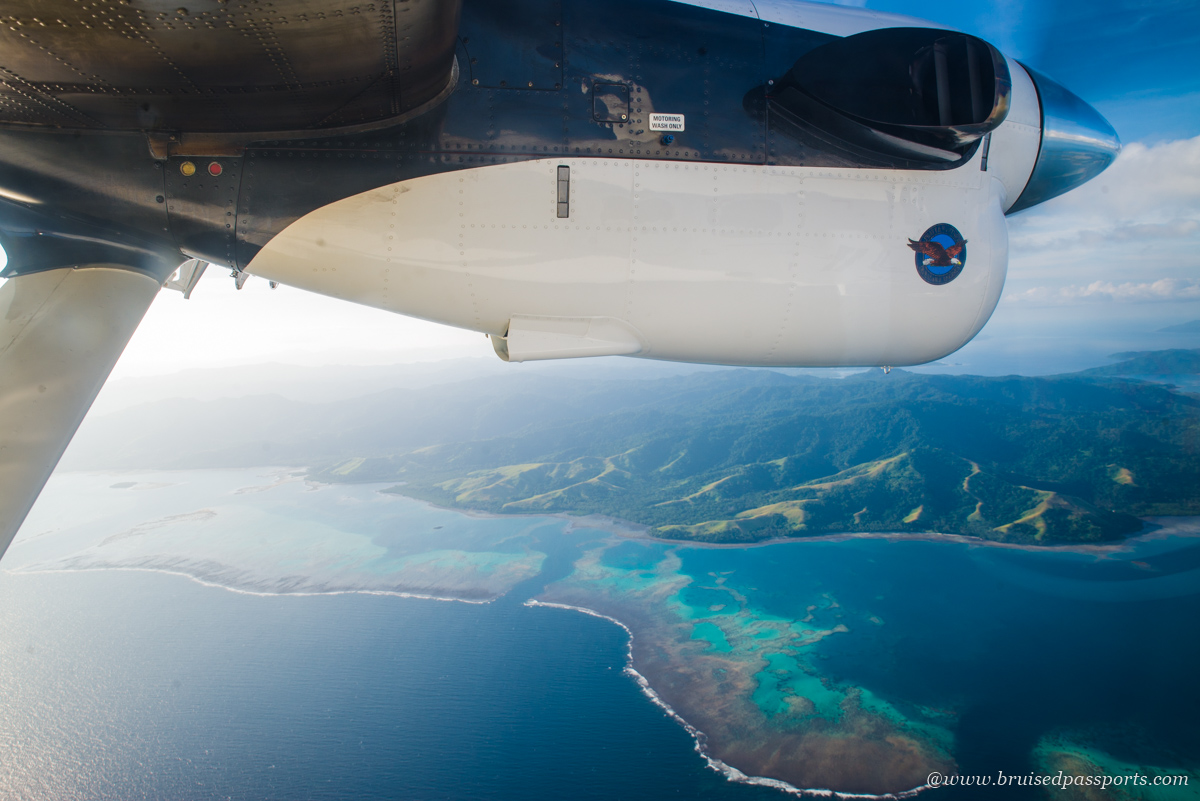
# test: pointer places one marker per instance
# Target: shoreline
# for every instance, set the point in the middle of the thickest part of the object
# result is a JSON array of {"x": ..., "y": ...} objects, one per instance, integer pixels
[
  {"x": 610, "y": 529},
  {"x": 613, "y": 525},
  {"x": 1154, "y": 528},
  {"x": 1153, "y": 532},
  {"x": 700, "y": 740},
  {"x": 241, "y": 591}
]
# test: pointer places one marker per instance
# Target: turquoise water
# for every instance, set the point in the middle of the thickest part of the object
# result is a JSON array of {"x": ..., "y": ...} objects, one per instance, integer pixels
[
  {"x": 1012, "y": 644},
  {"x": 784, "y": 679},
  {"x": 706, "y": 602},
  {"x": 121, "y": 684},
  {"x": 713, "y": 635}
]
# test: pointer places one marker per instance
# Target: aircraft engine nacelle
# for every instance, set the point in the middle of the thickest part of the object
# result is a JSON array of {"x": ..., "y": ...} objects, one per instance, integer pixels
[
  {"x": 868, "y": 229},
  {"x": 754, "y": 183},
  {"x": 724, "y": 263}
]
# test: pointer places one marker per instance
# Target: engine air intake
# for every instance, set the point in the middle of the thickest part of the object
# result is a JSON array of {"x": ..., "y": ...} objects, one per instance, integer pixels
[{"x": 917, "y": 94}]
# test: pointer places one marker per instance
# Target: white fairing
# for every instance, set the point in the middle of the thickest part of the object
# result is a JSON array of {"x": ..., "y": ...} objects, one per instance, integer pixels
[
  {"x": 1015, "y": 144},
  {"x": 532, "y": 337},
  {"x": 682, "y": 261}
]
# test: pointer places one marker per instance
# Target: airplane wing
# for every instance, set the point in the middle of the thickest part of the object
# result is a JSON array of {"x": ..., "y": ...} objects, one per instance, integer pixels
[
  {"x": 227, "y": 71},
  {"x": 571, "y": 177}
]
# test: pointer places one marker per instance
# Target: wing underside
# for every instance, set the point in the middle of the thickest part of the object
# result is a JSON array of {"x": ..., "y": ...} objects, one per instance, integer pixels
[{"x": 237, "y": 66}]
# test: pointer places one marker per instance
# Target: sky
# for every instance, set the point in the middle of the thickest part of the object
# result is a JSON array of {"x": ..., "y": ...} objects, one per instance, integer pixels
[
  {"x": 1104, "y": 267},
  {"x": 1093, "y": 272},
  {"x": 1136, "y": 61}
]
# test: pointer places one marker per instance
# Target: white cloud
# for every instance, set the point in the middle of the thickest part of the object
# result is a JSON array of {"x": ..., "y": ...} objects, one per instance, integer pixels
[
  {"x": 1160, "y": 291},
  {"x": 1149, "y": 194},
  {"x": 1175, "y": 229},
  {"x": 1129, "y": 236},
  {"x": 1146, "y": 232}
]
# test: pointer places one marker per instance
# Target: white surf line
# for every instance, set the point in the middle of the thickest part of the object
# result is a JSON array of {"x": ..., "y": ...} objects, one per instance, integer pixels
[
  {"x": 699, "y": 739},
  {"x": 238, "y": 590}
]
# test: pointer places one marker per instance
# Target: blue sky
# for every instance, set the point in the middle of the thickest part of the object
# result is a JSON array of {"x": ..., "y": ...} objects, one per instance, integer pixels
[
  {"x": 1104, "y": 267},
  {"x": 1137, "y": 61}
]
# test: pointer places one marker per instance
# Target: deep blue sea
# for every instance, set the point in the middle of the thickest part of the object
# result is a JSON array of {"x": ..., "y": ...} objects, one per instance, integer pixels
[
  {"x": 132, "y": 685},
  {"x": 120, "y": 685},
  {"x": 1020, "y": 643}
]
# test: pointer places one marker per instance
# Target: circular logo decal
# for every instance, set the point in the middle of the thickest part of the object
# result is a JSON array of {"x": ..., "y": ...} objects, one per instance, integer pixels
[{"x": 940, "y": 254}]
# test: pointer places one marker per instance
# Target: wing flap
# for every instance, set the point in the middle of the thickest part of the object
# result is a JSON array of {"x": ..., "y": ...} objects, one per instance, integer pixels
[{"x": 61, "y": 332}]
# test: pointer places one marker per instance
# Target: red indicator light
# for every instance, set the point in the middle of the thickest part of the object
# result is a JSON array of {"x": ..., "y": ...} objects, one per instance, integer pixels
[{"x": 214, "y": 168}]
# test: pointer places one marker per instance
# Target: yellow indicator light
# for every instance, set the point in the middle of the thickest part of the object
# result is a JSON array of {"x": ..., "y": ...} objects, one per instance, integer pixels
[{"x": 187, "y": 168}]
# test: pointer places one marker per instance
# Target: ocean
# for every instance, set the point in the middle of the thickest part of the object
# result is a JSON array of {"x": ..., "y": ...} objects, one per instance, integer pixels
[{"x": 124, "y": 678}]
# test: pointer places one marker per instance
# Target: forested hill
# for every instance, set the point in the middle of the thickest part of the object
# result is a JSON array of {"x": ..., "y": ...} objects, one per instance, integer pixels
[
  {"x": 742, "y": 455},
  {"x": 721, "y": 455},
  {"x": 1183, "y": 365}
]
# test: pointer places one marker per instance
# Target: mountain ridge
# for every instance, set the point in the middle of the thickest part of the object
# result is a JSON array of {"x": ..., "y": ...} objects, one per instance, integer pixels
[{"x": 731, "y": 455}]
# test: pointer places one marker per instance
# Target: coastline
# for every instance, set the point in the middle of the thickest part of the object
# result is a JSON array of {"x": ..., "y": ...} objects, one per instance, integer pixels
[
  {"x": 700, "y": 740},
  {"x": 614, "y": 525},
  {"x": 606, "y": 529},
  {"x": 242, "y": 591},
  {"x": 1152, "y": 528},
  {"x": 1152, "y": 531}
]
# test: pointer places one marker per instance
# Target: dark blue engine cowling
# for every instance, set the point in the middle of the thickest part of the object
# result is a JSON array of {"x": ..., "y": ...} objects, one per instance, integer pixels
[{"x": 1077, "y": 143}]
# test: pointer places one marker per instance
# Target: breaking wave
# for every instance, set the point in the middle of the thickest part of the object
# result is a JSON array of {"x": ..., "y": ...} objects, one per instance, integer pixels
[
  {"x": 243, "y": 591},
  {"x": 699, "y": 739}
]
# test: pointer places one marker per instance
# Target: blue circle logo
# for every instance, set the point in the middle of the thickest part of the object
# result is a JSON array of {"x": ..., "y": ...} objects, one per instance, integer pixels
[{"x": 940, "y": 254}]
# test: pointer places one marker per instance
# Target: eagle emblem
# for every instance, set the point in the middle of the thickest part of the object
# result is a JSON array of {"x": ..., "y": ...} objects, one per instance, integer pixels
[{"x": 941, "y": 253}]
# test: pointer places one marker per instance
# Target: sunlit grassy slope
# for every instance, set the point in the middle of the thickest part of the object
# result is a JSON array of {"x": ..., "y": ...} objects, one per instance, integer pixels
[{"x": 738, "y": 456}]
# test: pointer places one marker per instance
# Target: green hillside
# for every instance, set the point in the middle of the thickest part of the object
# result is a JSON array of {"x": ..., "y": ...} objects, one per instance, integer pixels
[
  {"x": 1177, "y": 362},
  {"x": 741, "y": 455}
]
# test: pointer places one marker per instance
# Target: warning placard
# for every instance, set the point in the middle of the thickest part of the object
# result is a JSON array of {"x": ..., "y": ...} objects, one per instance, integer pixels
[{"x": 666, "y": 122}]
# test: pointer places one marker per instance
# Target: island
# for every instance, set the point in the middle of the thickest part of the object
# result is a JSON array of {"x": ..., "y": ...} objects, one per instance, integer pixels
[
  {"x": 744, "y": 681},
  {"x": 752, "y": 531},
  {"x": 746, "y": 456}
]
